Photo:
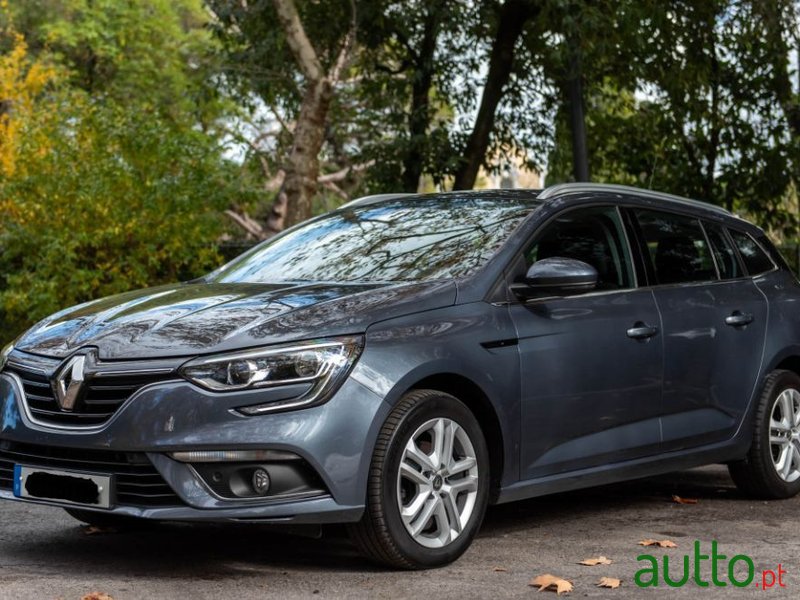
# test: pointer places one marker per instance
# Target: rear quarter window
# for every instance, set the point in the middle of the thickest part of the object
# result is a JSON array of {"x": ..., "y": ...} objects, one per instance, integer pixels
[{"x": 753, "y": 256}]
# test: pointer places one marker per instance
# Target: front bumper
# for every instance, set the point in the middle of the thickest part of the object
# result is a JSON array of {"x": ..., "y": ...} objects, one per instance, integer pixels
[{"x": 335, "y": 439}]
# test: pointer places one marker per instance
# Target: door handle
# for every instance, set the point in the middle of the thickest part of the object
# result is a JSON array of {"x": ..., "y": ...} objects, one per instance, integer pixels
[
  {"x": 739, "y": 319},
  {"x": 641, "y": 331}
]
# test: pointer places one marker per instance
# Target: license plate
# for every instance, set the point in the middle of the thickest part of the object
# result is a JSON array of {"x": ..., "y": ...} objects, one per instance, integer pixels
[{"x": 65, "y": 487}]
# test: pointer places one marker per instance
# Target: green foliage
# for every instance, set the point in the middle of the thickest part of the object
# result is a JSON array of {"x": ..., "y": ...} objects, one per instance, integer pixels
[
  {"x": 112, "y": 175},
  {"x": 117, "y": 202},
  {"x": 695, "y": 112},
  {"x": 157, "y": 54}
]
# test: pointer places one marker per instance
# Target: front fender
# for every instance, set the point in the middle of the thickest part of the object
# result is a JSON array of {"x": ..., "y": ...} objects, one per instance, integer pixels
[{"x": 458, "y": 341}]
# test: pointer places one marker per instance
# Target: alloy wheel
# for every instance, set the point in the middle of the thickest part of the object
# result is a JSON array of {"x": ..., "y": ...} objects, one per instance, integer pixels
[
  {"x": 784, "y": 435},
  {"x": 437, "y": 482}
]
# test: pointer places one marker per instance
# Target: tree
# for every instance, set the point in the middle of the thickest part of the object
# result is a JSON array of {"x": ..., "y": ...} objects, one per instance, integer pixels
[
  {"x": 412, "y": 67},
  {"x": 294, "y": 201},
  {"x": 261, "y": 39},
  {"x": 101, "y": 190},
  {"x": 682, "y": 97},
  {"x": 512, "y": 17},
  {"x": 156, "y": 55}
]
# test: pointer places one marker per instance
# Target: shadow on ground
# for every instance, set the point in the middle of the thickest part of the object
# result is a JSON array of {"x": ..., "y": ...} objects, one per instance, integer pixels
[{"x": 213, "y": 552}]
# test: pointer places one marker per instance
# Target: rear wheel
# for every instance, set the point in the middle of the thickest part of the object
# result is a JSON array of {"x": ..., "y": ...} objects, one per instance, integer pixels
[
  {"x": 428, "y": 484},
  {"x": 772, "y": 466}
]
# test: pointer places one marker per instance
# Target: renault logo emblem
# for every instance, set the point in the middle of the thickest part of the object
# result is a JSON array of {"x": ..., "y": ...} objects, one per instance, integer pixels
[{"x": 69, "y": 381}]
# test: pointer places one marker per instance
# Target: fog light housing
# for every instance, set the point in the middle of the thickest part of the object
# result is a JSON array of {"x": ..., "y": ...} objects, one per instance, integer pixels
[{"x": 260, "y": 482}]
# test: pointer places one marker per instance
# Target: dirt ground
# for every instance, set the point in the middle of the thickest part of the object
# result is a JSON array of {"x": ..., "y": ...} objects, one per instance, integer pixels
[{"x": 45, "y": 554}]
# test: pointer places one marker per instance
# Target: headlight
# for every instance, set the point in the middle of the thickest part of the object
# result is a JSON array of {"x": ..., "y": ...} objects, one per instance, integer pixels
[
  {"x": 4, "y": 355},
  {"x": 321, "y": 363}
]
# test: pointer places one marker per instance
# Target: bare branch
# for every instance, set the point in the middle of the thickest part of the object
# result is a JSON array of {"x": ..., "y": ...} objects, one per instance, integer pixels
[
  {"x": 274, "y": 184},
  {"x": 253, "y": 145},
  {"x": 301, "y": 47},
  {"x": 248, "y": 224},
  {"x": 339, "y": 175},
  {"x": 347, "y": 46},
  {"x": 281, "y": 121},
  {"x": 336, "y": 189}
]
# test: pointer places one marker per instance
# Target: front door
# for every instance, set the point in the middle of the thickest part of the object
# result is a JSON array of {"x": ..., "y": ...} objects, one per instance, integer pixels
[{"x": 591, "y": 364}]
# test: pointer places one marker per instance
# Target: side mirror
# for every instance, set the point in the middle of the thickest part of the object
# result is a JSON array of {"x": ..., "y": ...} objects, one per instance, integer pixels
[{"x": 557, "y": 276}]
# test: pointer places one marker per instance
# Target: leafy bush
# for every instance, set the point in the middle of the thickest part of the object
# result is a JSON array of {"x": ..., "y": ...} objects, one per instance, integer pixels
[{"x": 96, "y": 199}]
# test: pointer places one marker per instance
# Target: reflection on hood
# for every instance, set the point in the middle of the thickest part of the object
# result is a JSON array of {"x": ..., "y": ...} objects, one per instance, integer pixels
[{"x": 200, "y": 318}]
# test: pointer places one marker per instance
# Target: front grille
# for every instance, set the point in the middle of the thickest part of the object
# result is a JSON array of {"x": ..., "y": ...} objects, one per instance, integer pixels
[
  {"x": 98, "y": 401},
  {"x": 137, "y": 481}
]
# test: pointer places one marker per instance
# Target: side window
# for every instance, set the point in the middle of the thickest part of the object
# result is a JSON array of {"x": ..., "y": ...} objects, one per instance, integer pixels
[
  {"x": 727, "y": 263},
  {"x": 755, "y": 259},
  {"x": 677, "y": 247},
  {"x": 593, "y": 235}
]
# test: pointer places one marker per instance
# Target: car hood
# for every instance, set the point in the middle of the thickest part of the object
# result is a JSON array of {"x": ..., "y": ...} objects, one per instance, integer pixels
[{"x": 202, "y": 318}]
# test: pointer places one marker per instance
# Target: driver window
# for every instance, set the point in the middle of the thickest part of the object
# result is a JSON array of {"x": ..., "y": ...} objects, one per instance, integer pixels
[{"x": 592, "y": 235}]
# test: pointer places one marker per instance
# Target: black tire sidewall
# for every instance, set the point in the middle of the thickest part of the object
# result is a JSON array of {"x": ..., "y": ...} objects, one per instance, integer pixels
[
  {"x": 777, "y": 487},
  {"x": 446, "y": 406}
]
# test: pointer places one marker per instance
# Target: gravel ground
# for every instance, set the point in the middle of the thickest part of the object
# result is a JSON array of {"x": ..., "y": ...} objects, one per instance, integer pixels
[{"x": 45, "y": 554}]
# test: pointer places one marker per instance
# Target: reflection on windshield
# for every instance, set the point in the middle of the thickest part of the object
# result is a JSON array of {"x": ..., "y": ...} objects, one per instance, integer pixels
[{"x": 402, "y": 240}]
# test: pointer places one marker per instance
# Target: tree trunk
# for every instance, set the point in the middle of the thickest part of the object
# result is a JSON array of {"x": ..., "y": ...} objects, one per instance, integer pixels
[
  {"x": 514, "y": 15},
  {"x": 577, "y": 117},
  {"x": 419, "y": 118},
  {"x": 293, "y": 203}
]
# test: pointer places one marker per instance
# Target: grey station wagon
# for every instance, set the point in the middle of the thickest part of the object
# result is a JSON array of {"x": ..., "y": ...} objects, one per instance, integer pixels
[{"x": 404, "y": 361}]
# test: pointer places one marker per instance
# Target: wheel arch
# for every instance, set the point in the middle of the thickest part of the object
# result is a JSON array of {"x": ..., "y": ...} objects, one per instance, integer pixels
[
  {"x": 787, "y": 359},
  {"x": 471, "y": 394}
]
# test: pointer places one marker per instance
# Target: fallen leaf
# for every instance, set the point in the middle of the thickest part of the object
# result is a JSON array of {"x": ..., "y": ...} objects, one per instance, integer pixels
[
  {"x": 609, "y": 582},
  {"x": 97, "y": 596},
  {"x": 659, "y": 543},
  {"x": 93, "y": 530},
  {"x": 552, "y": 583},
  {"x": 600, "y": 560},
  {"x": 500, "y": 569},
  {"x": 679, "y": 500}
]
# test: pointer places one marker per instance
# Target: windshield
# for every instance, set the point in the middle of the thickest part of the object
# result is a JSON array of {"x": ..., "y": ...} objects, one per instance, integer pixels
[{"x": 413, "y": 239}]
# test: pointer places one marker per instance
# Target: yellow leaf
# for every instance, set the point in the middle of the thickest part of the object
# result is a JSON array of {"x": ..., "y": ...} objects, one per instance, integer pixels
[
  {"x": 659, "y": 543},
  {"x": 552, "y": 583},
  {"x": 600, "y": 560},
  {"x": 97, "y": 596},
  {"x": 609, "y": 582}
]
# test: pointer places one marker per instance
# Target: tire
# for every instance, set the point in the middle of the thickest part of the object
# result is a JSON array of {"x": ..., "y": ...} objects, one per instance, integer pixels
[
  {"x": 438, "y": 500},
  {"x": 106, "y": 520},
  {"x": 771, "y": 469}
]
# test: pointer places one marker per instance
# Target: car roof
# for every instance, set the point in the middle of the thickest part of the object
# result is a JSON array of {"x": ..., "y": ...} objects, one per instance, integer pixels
[
  {"x": 499, "y": 194},
  {"x": 552, "y": 193}
]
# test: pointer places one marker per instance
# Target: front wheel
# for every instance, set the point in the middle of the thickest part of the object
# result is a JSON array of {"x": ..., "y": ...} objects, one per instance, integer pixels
[
  {"x": 771, "y": 469},
  {"x": 428, "y": 484}
]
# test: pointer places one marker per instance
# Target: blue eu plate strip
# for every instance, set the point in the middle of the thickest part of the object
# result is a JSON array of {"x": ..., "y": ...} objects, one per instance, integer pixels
[{"x": 17, "y": 480}]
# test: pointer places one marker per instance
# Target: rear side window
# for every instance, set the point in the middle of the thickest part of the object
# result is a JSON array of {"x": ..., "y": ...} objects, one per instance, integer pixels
[
  {"x": 724, "y": 254},
  {"x": 755, "y": 259},
  {"x": 677, "y": 247}
]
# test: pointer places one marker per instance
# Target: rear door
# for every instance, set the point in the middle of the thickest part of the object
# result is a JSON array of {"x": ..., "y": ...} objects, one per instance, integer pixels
[
  {"x": 591, "y": 363},
  {"x": 714, "y": 321}
]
